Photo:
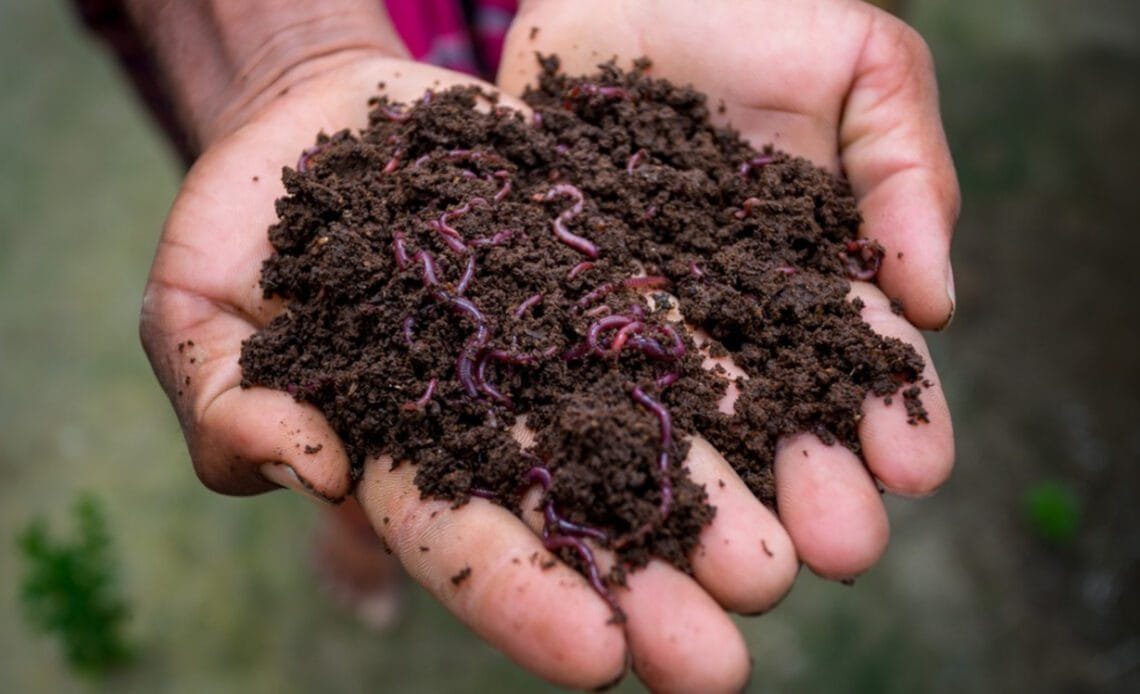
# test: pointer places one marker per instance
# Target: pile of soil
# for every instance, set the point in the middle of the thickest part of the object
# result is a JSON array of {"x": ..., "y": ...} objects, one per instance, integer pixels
[{"x": 450, "y": 271}]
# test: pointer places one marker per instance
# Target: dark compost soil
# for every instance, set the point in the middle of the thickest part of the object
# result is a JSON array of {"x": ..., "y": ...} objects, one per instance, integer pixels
[{"x": 449, "y": 271}]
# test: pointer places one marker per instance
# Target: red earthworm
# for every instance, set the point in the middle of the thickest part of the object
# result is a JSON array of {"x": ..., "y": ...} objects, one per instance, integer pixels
[
  {"x": 480, "y": 378},
  {"x": 695, "y": 270},
  {"x": 408, "y": 325},
  {"x": 634, "y": 160},
  {"x": 623, "y": 335},
  {"x": 424, "y": 399},
  {"x": 578, "y": 243},
  {"x": 468, "y": 275},
  {"x": 526, "y": 304},
  {"x": 864, "y": 258},
  {"x": 602, "y": 325},
  {"x": 589, "y": 89},
  {"x": 646, "y": 282},
  {"x": 482, "y": 493},
  {"x": 393, "y": 163},
  {"x": 476, "y": 342},
  {"x": 665, "y": 442},
  {"x": 394, "y": 113},
  {"x": 400, "y": 249},
  {"x": 666, "y": 380},
  {"x": 503, "y": 192},
  {"x": 430, "y": 269},
  {"x": 786, "y": 270},
  {"x": 747, "y": 206},
  {"x": 756, "y": 162},
  {"x": 307, "y": 154},
  {"x": 597, "y": 293},
  {"x": 451, "y": 235},
  {"x": 579, "y": 269},
  {"x": 558, "y": 532},
  {"x": 497, "y": 239}
]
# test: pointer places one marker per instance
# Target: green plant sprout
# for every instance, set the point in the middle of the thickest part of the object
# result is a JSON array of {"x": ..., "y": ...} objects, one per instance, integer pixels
[
  {"x": 1053, "y": 511},
  {"x": 69, "y": 590}
]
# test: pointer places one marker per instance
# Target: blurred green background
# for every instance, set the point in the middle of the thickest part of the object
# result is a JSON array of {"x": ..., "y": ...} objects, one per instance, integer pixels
[{"x": 1021, "y": 575}]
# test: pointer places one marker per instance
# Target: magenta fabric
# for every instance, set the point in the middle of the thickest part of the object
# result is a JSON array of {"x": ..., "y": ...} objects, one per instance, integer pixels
[{"x": 464, "y": 36}]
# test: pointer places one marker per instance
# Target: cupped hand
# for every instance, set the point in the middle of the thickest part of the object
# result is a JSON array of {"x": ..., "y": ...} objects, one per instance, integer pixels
[
  {"x": 203, "y": 299},
  {"x": 852, "y": 89}
]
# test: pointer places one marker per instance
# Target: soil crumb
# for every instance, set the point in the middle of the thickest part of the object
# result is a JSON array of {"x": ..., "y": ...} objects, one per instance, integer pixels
[
  {"x": 452, "y": 272},
  {"x": 462, "y": 576}
]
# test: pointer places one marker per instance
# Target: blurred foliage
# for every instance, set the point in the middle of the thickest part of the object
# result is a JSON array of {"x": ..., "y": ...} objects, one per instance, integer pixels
[
  {"x": 1053, "y": 512},
  {"x": 69, "y": 590}
]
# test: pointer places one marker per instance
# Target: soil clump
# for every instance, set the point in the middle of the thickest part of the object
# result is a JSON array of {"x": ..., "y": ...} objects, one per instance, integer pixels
[{"x": 450, "y": 272}]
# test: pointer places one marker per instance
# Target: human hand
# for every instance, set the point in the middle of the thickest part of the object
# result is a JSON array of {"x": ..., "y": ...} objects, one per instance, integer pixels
[
  {"x": 203, "y": 299},
  {"x": 850, "y": 88}
]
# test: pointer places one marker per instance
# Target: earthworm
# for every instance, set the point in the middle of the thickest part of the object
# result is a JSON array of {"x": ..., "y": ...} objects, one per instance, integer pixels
[
  {"x": 602, "y": 290},
  {"x": 579, "y": 269},
  {"x": 503, "y": 192},
  {"x": 393, "y": 163},
  {"x": 481, "y": 383},
  {"x": 623, "y": 334},
  {"x": 864, "y": 258},
  {"x": 400, "y": 249},
  {"x": 665, "y": 442},
  {"x": 394, "y": 113},
  {"x": 423, "y": 399},
  {"x": 497, "y": 239},
  {"x": 578, "y": 243},
  {"x": 756, "y": 162},
  {"x": 526, "y": 304},
  {"x": 590, "y": 89},
  {"x": 430, "y": 269},
  {"x": 695, "y": 270},
  {"x": 407, "y": 326},
  {"x": 450, "y": 234},
  {"x": 468, "y": 275},
  {"x": 634, "y": 160},
  {"x": 307, "y": 154},
  {"x": 558, "y": 532},
  {"x": 602, "y": 325},
  {"x": 747, "y": 206},
  {"x": 646, "y": 282},
  {"x": 464, "y": 368}
]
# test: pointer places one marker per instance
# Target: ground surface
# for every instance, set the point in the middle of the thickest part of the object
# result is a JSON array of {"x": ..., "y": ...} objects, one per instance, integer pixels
[{"x": 1040, "y": 368}]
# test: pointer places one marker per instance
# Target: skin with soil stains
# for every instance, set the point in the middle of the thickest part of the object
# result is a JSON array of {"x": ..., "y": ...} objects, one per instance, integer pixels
[{"x": 452, "y": 272}]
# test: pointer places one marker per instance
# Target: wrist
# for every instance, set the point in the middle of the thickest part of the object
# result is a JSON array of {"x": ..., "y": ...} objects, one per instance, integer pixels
[{"x": 224, "y": 61}]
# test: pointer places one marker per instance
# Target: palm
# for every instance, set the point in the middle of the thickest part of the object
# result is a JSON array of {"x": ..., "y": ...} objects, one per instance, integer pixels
[{"x": 203, "y": 296}]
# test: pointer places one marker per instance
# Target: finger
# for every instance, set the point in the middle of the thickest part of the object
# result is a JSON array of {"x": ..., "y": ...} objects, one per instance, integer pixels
[
  {"x": 746, "y": 560},
  {"x": 681, "y": 640},
  {"x": 910, "y": 459},
  {"x": 830, "y": 506},
  {"x": 543, "y": 616},
  {"x": 895, "y": 154},
  {"x": 692, "y": 646}
]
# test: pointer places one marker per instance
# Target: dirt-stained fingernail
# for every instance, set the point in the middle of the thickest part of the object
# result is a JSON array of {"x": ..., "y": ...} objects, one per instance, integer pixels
[
  {"x": 285, "y": 476},
  {"x": 950, "y": 294}
]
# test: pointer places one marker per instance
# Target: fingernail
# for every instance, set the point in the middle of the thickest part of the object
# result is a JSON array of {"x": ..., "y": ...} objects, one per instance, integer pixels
[
  {"x": 950, "y": 294},
  {"x": 285, "y": 476}
]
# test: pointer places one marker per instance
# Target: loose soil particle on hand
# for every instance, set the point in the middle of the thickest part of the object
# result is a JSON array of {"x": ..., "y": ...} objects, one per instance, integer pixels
[{"x": 442, "y": 284}]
